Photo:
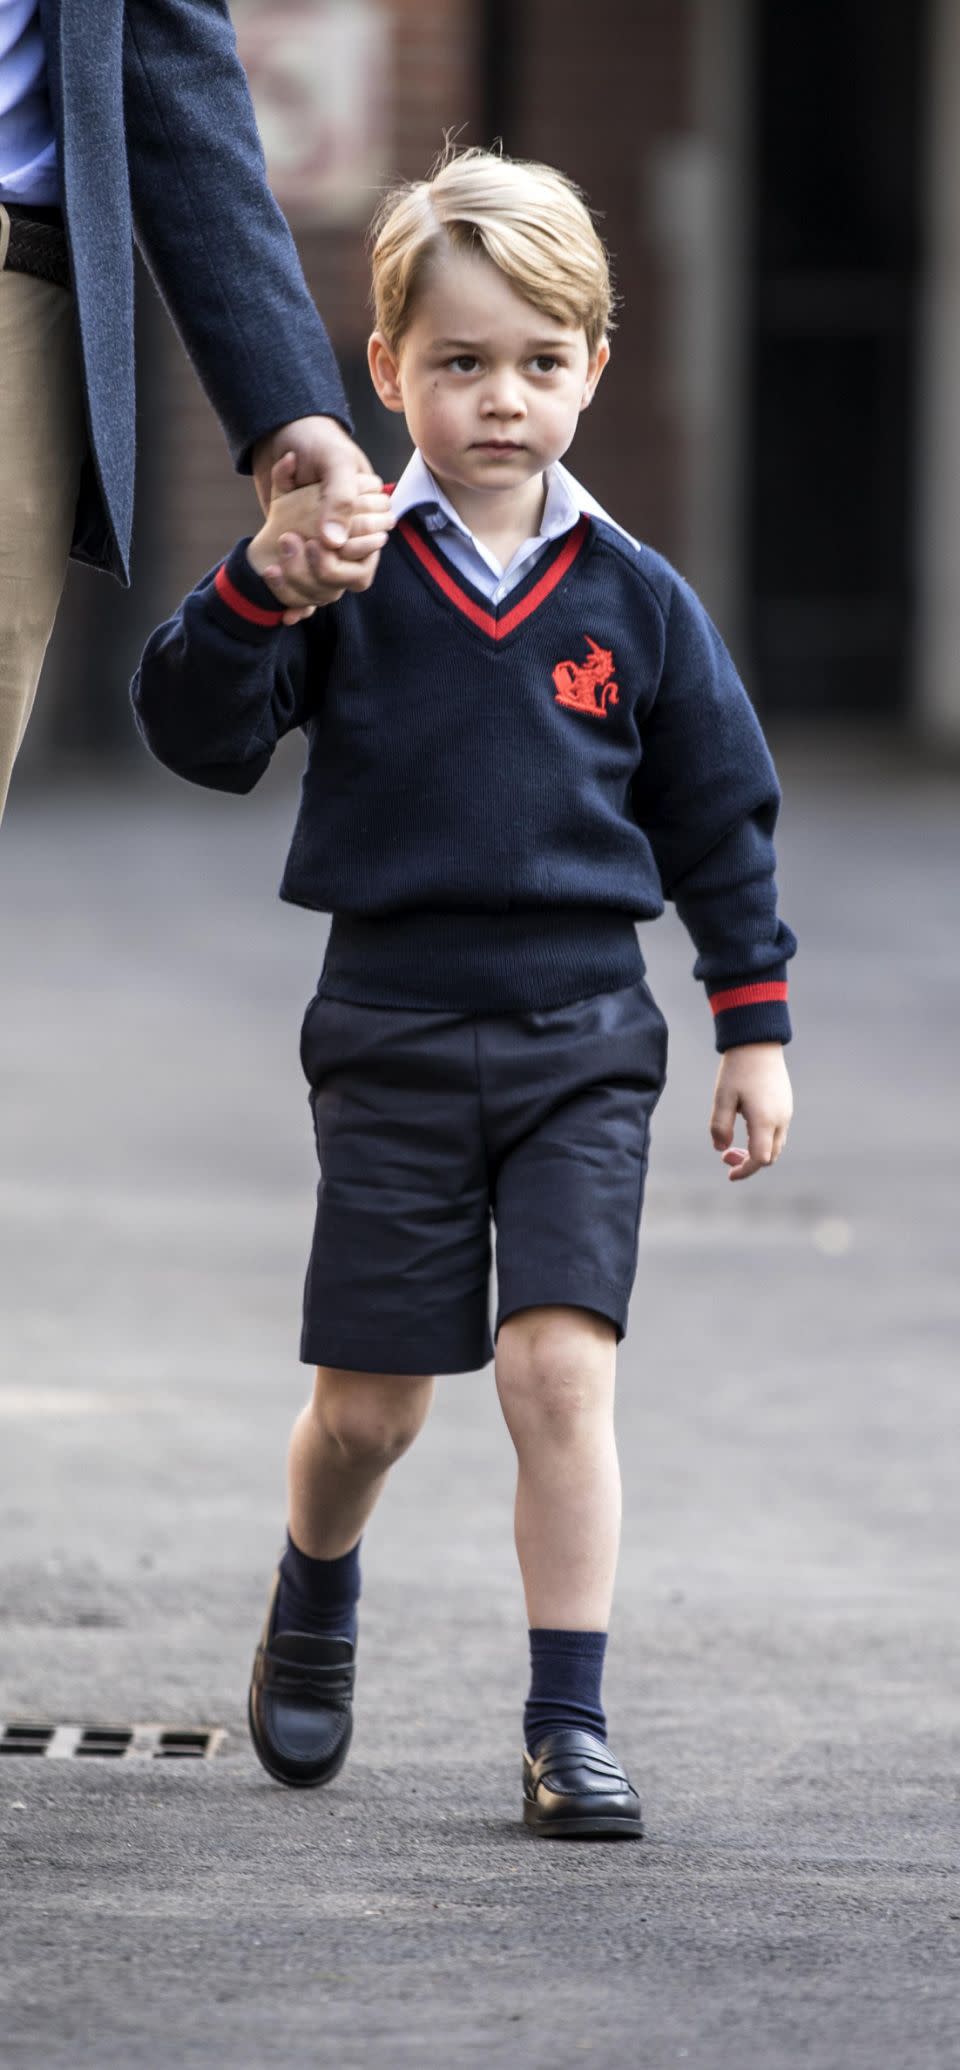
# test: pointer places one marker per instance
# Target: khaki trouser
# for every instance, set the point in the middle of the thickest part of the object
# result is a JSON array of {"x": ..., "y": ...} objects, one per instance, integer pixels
[{"x": 42, "y": 443}]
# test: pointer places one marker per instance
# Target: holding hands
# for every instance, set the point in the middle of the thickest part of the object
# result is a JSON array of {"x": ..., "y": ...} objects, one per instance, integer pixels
[
  {"x": 752, "y": 1081},
  {"x": 327, "y": 516}
]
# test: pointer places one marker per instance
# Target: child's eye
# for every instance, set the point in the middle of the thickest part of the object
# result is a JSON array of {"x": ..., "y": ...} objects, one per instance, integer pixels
[
  {"x": 464, "y": 362},
  {"x": 545, "y": 363}
]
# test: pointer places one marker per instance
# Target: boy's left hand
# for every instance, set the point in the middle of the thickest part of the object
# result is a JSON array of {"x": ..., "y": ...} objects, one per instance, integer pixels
[{"x": 752, "y": 1081}]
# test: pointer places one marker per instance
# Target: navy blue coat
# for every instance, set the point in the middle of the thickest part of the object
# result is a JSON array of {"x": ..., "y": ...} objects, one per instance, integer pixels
[{"x": 158, "y": 142}]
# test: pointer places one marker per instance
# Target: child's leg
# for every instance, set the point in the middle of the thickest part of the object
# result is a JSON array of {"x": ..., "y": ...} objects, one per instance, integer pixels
[
  {"x": 344, "y": 1442},
  {"x": 555, "y": 1371},
  {"x": 343, "y": 1445}
]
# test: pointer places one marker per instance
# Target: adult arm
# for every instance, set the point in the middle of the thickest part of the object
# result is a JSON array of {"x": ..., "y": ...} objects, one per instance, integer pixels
[{"x": 213, "y": 238}]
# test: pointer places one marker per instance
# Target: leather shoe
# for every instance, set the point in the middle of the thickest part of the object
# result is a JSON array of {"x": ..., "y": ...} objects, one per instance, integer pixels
[
  {"x": 574, "y": 1788},
  {"x": 301, "y": 1703}
]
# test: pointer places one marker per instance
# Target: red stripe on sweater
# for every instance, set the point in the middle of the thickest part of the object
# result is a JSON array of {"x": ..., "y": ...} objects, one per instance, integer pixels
[
  {"x": 497, "y": 628},
  {"x": 747, "y": 995},
  {"x": 446, "y": 582},
  {"x": 555, "y": 573},
  {"x": 229, "y": 594}
]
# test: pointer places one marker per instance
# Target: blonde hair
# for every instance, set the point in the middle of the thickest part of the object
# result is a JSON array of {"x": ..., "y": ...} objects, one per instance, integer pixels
[{"x": 529, "y": 220}]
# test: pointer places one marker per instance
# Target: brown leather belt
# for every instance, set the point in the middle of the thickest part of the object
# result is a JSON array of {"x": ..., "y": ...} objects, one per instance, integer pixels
[{"x": 37, "y": 244}]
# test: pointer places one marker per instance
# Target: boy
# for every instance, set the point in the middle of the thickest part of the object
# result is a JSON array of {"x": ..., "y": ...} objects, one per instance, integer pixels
[{"x": 520, "y": 738}]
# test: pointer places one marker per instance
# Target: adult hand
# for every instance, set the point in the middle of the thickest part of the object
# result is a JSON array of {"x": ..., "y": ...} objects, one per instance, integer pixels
[{"x": 326, "y": 455}]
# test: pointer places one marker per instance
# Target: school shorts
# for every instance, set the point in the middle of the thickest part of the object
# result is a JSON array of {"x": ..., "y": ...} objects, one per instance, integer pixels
[{"x": 430, "y": 1125}]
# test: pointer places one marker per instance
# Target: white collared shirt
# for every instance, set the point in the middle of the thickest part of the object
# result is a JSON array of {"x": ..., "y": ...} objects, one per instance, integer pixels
[{"x": 566, "y": 500}]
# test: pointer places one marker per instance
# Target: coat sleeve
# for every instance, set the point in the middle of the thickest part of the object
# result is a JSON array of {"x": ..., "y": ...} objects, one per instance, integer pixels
[
  {"x": 707, "y": 798},
  {"x": 224, "y": 679},
  {"x": 215, "y": 241}
]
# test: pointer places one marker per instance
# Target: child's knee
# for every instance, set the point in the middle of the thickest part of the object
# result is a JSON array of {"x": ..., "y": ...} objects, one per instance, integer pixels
[
  {"x": 371, "y": 1418},
  {"x": 555, "y": 1368}
]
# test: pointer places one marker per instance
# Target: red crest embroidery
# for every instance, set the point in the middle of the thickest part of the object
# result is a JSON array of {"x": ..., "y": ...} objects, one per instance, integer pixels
[{"x": 587, "y": 686}]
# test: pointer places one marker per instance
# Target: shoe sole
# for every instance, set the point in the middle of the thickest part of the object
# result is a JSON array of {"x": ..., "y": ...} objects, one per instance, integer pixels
[
  {"x": 297, "y": 1782},
  {"x": 583, "y": 1828}
]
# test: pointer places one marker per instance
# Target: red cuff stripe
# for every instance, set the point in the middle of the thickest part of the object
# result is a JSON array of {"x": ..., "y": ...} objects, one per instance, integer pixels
[
  {"x": 747, "y": 995},
  {"x": 229, "y": 594}
]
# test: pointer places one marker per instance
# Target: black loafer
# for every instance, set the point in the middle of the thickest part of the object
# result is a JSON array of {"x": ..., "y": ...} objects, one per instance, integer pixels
[
  {"x": 301, "y": 1704},
  {"x": 574, "y": 1788}
]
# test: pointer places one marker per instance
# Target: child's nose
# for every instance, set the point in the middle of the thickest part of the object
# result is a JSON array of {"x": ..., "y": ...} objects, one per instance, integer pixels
[{"x": 504, "y": 398}]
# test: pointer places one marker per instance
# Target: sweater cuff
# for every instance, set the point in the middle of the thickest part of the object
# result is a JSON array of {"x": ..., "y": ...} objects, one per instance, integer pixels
[
  {"x": 755, "y": 1011},
  {"x": 240, "y": 600}
]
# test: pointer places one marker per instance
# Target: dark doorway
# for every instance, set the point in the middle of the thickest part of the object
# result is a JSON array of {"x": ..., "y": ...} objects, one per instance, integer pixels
[{"x": 837, "y": 156}]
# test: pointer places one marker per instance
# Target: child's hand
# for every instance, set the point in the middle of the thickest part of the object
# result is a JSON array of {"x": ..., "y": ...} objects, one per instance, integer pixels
[
  {"x": 752, "y": 1081},
  {"x": 285, "y": 551}
]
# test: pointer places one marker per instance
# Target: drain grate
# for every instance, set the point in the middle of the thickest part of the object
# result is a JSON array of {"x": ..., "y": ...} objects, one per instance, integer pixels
[{"x": 113, "y": 1742}]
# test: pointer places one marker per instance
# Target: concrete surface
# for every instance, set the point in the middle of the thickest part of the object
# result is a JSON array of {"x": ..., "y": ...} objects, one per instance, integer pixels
[{"x": 783, "y": 1671}]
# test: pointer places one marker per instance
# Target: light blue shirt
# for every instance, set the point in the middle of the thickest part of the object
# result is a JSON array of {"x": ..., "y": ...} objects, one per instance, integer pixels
[
  {"x": 28, "y": 150},
  {"x": 566, "y": 500}
]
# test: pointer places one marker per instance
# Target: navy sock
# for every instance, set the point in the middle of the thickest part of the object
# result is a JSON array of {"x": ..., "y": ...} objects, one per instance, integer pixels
[
  {"x": 566, "y": 1670},
  {"x": 318, "y": 1595}
]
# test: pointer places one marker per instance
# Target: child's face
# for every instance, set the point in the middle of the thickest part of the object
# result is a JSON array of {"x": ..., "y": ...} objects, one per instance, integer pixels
[{"x": 490, "y": 387}]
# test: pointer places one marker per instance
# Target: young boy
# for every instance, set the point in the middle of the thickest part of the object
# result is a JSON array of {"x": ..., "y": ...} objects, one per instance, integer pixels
[{"x": 521, "y": 738}]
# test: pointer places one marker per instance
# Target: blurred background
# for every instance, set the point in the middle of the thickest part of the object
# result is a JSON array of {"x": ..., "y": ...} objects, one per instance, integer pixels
[{"x": 779, "y": 184}]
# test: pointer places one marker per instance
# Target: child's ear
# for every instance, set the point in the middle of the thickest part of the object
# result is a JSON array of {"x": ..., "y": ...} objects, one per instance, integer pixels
[
  {"x": 384, "y": 372},
  {"x": 595, "y": 367}
]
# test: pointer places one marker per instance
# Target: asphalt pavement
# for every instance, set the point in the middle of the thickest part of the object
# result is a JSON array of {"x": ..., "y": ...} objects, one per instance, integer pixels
[{"x": 783, "y": 1670}]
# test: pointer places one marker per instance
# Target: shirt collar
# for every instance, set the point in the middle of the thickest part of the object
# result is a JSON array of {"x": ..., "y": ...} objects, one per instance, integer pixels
[
  {"x": 565, "y": 501},
  {"x": 417, "y": 490}
]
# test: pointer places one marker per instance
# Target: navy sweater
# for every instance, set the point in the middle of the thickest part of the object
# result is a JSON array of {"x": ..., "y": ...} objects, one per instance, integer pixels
[{"x": 493, "y": 796}]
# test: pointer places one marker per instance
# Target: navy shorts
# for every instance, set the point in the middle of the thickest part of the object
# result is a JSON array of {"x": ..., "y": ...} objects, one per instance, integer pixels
[{"x": 430, "y": 1124}]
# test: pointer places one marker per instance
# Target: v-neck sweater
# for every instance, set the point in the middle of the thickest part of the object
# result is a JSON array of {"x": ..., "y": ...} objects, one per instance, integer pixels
[{"x": 495, "y": 795}]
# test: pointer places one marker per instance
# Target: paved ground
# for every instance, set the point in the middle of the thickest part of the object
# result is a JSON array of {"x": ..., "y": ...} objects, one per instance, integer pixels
[{"x": 784, "y": 1661}]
